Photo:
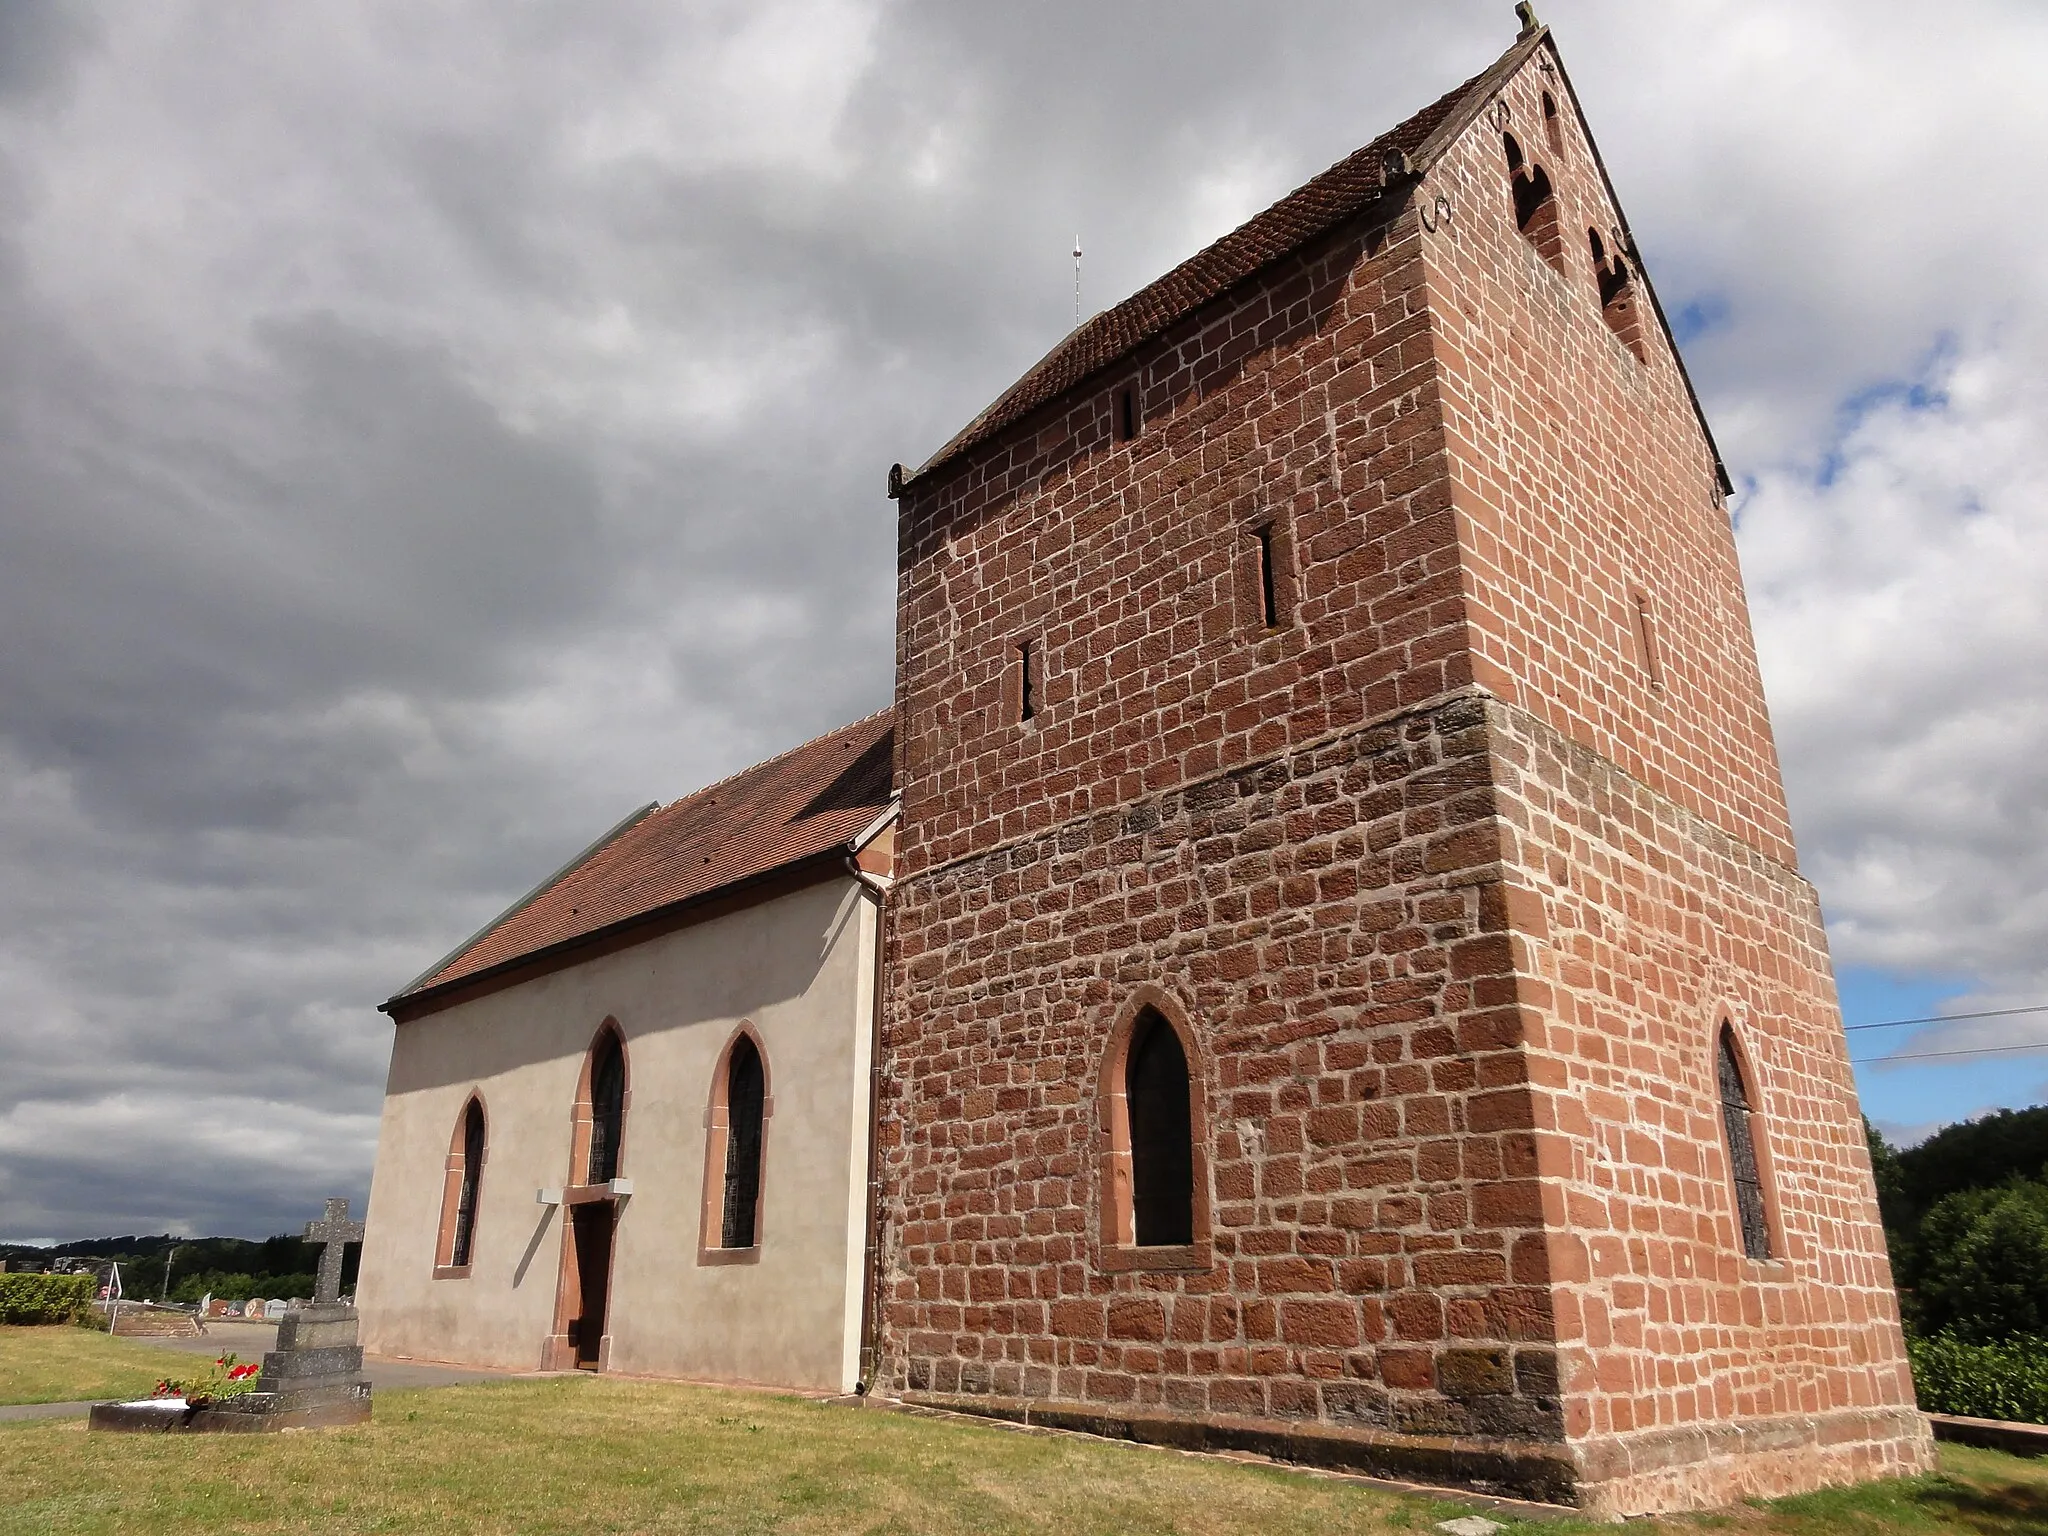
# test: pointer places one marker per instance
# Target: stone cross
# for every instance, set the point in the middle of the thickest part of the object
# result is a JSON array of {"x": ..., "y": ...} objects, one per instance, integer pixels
[{"x": 334, "y": 1233}]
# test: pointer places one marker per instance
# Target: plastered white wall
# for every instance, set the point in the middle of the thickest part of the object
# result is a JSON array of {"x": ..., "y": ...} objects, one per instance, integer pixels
[{"x": 800, "y": 968}]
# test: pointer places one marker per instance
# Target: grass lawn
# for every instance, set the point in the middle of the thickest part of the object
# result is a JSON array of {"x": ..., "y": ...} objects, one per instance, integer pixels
[
  {"x": 591, "y": 1455},
  {"x": 66, "y": 1364}
]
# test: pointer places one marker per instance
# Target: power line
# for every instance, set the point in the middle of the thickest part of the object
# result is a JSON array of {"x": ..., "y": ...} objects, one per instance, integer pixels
[
  {"x": 1949, "y": 1018},
  {"x": 1982, "y": 1050}
]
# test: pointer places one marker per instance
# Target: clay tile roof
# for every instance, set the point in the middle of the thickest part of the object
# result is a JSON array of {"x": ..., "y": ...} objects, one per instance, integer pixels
[
  {"x": 1338, "y": 194},
  {"x": 810, "y": 800}
]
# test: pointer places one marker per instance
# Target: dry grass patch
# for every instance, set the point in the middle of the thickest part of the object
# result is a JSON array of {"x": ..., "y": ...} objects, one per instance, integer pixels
[{"x": 64, "y": 1364}]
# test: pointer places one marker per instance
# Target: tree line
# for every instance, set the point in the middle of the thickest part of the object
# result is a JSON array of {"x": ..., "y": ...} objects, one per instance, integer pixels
[
  {"x": 1966, "y": 1216},
  {"x": 233, "y": 1268}
]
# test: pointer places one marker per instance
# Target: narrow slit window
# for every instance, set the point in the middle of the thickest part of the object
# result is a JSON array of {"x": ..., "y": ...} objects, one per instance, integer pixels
[
  {"x": 744, "y": 1098},
  {"x": 1126, "y": 413},
  {"x": 1553, "y": 125},
  {"x": 1737, "y": 1119},
  {"x": 1646, "y": 639},
  {"x": 1156, "y": 1091},
  {"x": 1269, "y": 599},
  {"x": 472, "y": 1178},
  {"x": 1027, "y": 680}
]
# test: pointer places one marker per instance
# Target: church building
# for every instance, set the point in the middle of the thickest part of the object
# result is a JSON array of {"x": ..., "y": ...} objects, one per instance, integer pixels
[{"x": 1314, "y": 960}]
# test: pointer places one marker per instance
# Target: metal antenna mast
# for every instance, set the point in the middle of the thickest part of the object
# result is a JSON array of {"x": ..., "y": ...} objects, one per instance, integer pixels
[{"x": 1077, "y": 279}]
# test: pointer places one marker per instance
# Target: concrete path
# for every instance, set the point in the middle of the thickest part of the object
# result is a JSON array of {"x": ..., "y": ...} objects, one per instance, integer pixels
[{"x": 249, "y": 1341}]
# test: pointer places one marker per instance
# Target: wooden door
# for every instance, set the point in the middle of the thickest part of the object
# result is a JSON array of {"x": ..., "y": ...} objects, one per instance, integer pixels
[{"x": 593, "y": 1237}]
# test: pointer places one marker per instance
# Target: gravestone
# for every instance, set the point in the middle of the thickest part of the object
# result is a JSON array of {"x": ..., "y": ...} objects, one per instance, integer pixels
[{"x": 313, "y": 1379}]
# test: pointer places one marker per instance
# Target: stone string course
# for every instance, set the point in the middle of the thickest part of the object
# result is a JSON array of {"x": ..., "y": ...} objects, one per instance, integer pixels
[{"x": 1454, "y": 874}]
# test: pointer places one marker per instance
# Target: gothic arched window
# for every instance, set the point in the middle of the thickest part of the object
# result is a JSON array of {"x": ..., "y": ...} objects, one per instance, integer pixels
[
  {"x": 1535, "y": 204},
  {"x": 607, "y": 1108},
  {"x": 1618, "y": 305},
  {"x": 1162, "y": 1136},
  {"x": 1737, "y": 1119},
  {"x": 735, "y": 1152},
  {"x": 472, "y": 1179},
  {"x": 745, "y": 1093},
  {"x": 1154, "y": 1153},
  {"x": 461, "y": 1189}
]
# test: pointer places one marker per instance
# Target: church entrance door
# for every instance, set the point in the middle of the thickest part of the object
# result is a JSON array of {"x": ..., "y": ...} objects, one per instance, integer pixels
[{"x": 592, "y": 1223}]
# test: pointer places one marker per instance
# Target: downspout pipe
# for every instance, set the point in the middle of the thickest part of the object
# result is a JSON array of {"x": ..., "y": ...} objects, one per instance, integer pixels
[{"x": 876, "y": 887}]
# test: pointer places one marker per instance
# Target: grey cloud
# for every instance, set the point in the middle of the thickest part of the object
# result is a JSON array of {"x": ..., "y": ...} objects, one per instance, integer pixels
[{"x": 427, "y": 432}]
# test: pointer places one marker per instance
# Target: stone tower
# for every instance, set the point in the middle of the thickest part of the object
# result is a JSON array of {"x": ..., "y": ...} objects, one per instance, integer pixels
[{"x": 1324, "y": 688}]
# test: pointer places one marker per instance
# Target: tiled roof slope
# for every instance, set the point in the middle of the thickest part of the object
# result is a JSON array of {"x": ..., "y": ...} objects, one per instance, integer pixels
[
  {"x": 808, "y": 801},
  {"x": 1339, "y": 193}
]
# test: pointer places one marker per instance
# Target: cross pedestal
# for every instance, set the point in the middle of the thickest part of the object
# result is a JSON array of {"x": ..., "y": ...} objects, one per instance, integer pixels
[{"x": 313, "y": 1379}]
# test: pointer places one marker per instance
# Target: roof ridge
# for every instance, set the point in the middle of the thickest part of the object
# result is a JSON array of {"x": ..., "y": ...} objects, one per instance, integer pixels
[
  {"x": 741, "y": 773},
  {"x": 1302, "y": 214}
]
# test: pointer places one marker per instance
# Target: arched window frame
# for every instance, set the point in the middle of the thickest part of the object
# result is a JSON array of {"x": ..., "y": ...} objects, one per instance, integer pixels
[
  {"x": 456, "y": 1174},
  {"x": 1773, "y": 1234},
  {"x": 1119, "y": 1250},
  {"x": 718, "y": 1141},
  {"x": 1615, "y": 282},
  {"x": 1540, "y": 222},
  {"x": 585, "y": 1112}
]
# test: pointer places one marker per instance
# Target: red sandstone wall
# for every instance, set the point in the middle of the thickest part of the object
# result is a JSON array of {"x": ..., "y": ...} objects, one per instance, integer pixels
[
  {"x": 1384, "y": 902},
  {"x": 1309, "y": 399},
  {"x": 1654, "y": 925},
  {"x": 1581, "y": 475},
  {"x": 1650, "y": 821},
  {"x": 1200, "y": 808},
  {"x": 1321, "y": 923}
]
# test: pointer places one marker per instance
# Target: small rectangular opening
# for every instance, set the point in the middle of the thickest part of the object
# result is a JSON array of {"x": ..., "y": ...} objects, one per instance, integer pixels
[
  {"x": 1269, "y": 602},
  {"x": 1126, "y": 407},
  {"x": 1646, "y": 640},
  {"x": 1027, "y": 681}
]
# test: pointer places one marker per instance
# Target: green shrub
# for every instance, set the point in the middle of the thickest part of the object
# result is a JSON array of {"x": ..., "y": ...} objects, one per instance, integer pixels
[
  {"x": 45, "y": 1298},
  {"x": 2007, "y": 1380}
]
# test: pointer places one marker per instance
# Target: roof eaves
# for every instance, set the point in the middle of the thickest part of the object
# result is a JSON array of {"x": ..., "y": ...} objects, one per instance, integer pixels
[
  {"x": 625, "y": 825},
  {"x": 554, "y": 956}
]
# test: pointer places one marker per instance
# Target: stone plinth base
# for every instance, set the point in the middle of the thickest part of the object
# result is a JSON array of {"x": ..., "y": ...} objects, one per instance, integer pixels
[
  {"x": 312, "y": 1380},
  {"x": 1711, "y": 1465},
  {"x": 1701, "y": 1467},
  {"x": 1532, "y": 1470},
  {"x": 253, "y": 1413}
]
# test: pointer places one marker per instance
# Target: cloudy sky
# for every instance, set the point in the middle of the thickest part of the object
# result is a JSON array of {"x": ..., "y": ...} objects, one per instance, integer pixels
[{"x": 428, "y": 431}]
